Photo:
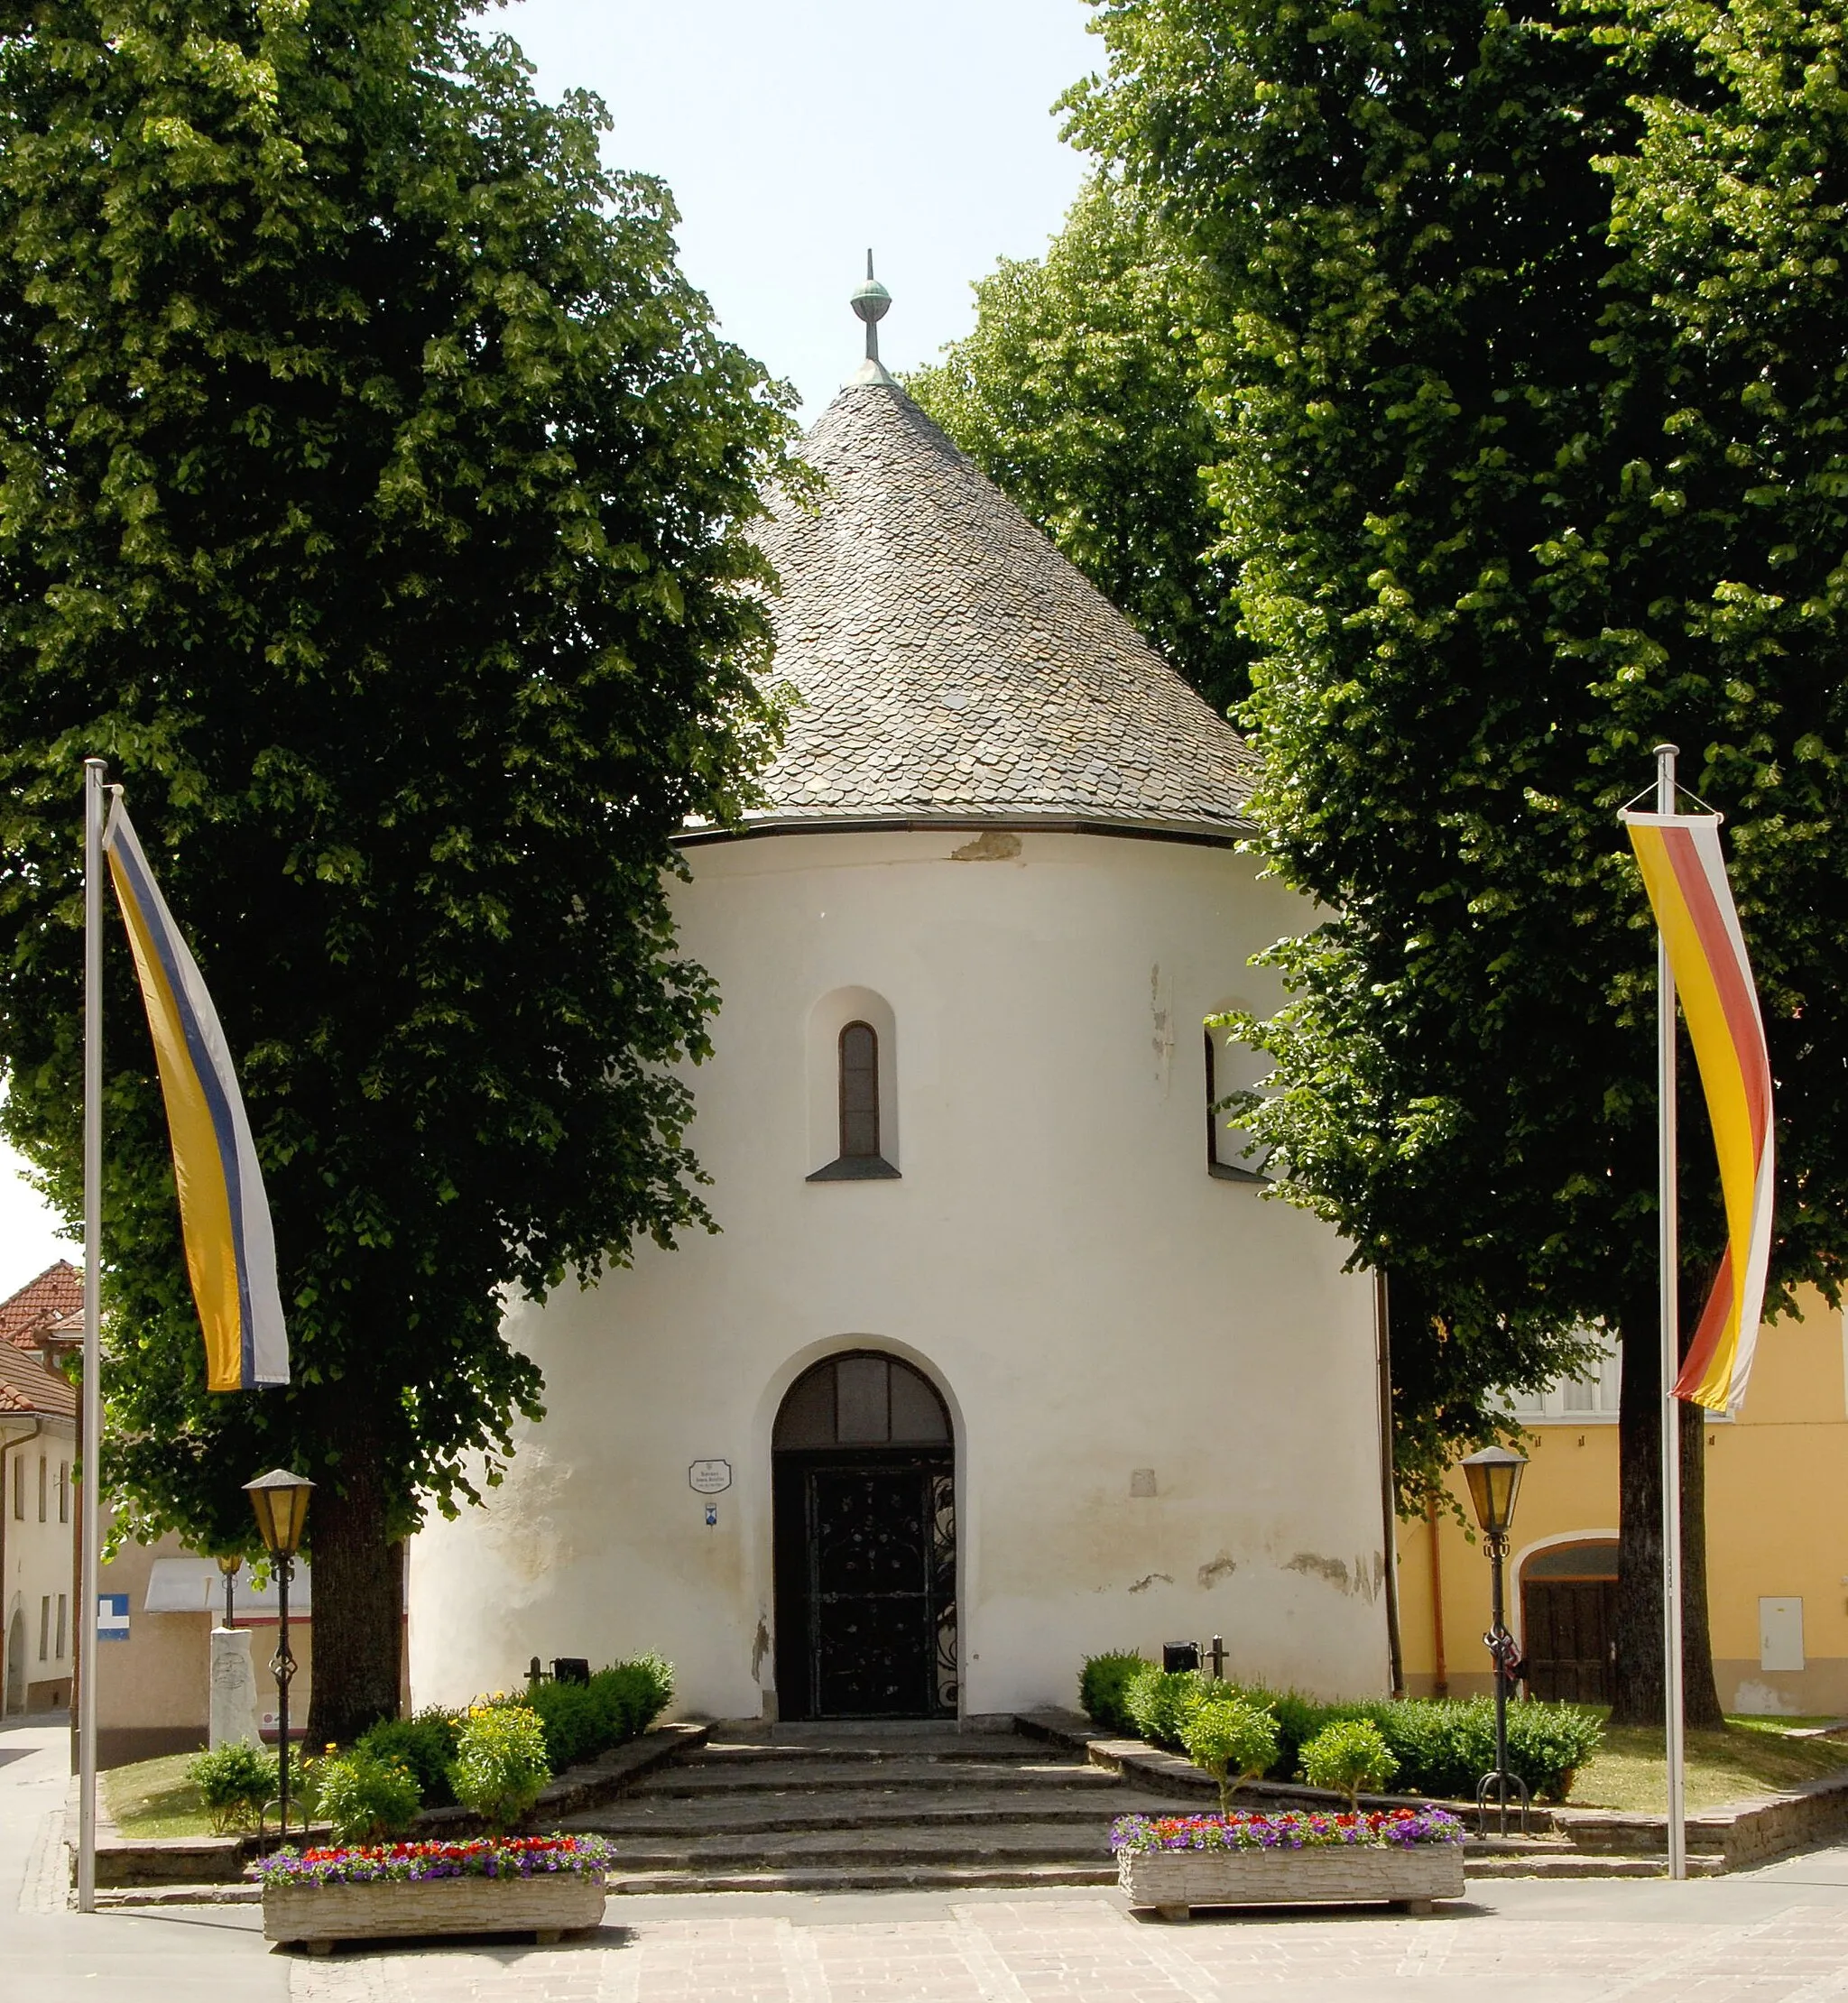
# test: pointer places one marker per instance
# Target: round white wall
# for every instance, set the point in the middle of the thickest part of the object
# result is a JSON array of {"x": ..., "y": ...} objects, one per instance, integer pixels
[{"x": 1103, "y": 1317}]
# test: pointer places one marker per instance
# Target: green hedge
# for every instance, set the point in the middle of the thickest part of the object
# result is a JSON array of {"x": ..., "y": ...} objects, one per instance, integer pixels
[
  {"x": 581, "y": 1719},
  {"x": 1442, "y": 1748}
]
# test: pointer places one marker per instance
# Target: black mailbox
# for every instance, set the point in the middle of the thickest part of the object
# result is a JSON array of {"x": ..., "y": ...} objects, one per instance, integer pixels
[
  {"x": 1181, "y": 1654},
  {"x": 570, "y": 1669}
]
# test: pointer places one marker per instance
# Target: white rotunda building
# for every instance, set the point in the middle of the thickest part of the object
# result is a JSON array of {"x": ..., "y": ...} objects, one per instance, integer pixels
[{"x": 1000, "y": 1357}]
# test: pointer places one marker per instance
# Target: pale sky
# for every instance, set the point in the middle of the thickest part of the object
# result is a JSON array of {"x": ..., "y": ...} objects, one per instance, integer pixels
[{"x": 794, "y": 136}]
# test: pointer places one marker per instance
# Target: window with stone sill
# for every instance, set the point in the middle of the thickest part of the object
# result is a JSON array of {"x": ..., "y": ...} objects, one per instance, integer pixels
[{"x": 860, "y": 1158}]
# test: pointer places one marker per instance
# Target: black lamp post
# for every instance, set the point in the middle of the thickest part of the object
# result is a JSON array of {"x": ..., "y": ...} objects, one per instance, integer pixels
[
  {"x": 1494, "y": 1481},
  {"x": 229, "y": 1568},
  {"x": 280, "y": 1500}
]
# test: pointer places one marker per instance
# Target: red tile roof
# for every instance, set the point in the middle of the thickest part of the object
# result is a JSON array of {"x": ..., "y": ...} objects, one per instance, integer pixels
[
  {"x": 56, "y": 1292},
  {"x": 28, "y": 1385}
]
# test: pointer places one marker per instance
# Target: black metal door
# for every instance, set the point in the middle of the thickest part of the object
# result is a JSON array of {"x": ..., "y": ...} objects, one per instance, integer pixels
[{"x": 866, "y": 1586}]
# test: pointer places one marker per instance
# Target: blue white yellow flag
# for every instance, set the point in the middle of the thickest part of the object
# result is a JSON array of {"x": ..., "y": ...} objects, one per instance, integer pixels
[{"x": 224, "y": 1215}]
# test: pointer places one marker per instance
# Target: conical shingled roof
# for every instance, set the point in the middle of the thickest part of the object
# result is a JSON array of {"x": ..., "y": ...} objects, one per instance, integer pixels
[{"x": 955, "y": 668}]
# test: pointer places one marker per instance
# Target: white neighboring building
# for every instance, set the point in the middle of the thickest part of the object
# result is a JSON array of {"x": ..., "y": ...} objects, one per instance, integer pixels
[
  {"x": 992, "y": 1365},
  {"x": 37, "y": 1503}
]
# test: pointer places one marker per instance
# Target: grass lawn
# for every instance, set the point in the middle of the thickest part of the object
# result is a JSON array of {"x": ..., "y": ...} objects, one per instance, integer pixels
[
  {"x": 1757, "y": 1757},
  {"x": 154, "y": 1798}
]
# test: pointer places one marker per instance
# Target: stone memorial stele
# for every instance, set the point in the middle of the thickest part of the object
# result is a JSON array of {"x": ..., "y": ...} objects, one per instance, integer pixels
[{"x": 233, "y": 1689}]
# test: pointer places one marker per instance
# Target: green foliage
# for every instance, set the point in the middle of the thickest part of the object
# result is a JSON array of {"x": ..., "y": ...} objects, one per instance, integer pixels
[
  {"x": 1230, "y": 1739},
  {"x": 1350, "y": 1756},
  {"x": 501, "y": 1766},
  {"x": 424, "y": 1745},
  {"x": 376, "y": 496},
  {"x": 234, "y": 1781},
  {"x": 1525, "y": 334},
  {"x": 1078, "y": 394},
  {"x": 1104, "y": 1688},
  {"x": 367, "y": 1799},
  {"x": 1160, "y": 1702},
  {"x": 582, "y": 1720},
  {"x": 1442, "y": 1746}
]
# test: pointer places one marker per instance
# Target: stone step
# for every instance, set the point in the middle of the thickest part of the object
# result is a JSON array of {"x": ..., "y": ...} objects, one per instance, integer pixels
[
  {"x": 857, "y": 1879},
  {"x": 675, "y": 1816},
  {"x": 695, "y": 1777},
  {"x": 791, "y": 1849},
  {"x": 1574, "y": 1863}
]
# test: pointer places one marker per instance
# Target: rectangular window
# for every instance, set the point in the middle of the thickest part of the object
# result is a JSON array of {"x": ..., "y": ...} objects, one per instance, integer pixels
[
  {"x": 42, "y": 1465},
  {"x": 62, "y": 1608},
  {"x": 45, "y": 1628},
  {"x": 64, "y": 1491}
]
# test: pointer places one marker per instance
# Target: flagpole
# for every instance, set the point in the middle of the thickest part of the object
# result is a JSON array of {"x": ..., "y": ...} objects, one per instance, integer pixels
[
  {"x": 1671, "y": 1365},
  {"x": 92, "y": 1329}
]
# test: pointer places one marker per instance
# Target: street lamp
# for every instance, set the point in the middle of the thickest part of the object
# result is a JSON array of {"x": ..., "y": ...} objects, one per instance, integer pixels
[
  {"x": 230, "y": 1567},
  {"x": 280, "y": 1500},
  {"x": 1494, "y": 1481}
]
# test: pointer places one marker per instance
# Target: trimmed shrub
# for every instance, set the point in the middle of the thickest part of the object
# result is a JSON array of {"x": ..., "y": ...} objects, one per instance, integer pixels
[
  {"x": 500, "y": 1764},
  {"x": 1349, "y": 1756},
  {"x": 233, "y": 1782},
  {"x": 618, "y": 1704},
  {"x": 368, "y": 1800},
  {"x": 425, "y": 1744},
  {"x": 1103, "y": 1686},
  {"x": 1232, "y": 1741},
  {"x": 1160, "y": 1702}
]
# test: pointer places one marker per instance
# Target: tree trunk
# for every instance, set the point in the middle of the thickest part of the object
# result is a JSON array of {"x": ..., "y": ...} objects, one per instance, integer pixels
[
  {"x": 358, "y": 1601},
  {"x": 1639, "y": 1696}
]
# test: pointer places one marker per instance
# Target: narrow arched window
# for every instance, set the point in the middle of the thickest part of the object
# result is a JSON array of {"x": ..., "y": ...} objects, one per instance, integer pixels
[
  {"x": 859, "y": 1092},
  {"x": 862, "y": 1156}
]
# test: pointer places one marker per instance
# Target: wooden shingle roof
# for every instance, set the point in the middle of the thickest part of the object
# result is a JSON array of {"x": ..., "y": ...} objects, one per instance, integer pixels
[{"x": 955, "y": 668}]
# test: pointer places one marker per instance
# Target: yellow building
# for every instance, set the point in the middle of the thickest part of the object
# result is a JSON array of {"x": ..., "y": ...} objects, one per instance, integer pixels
[{"x": 1776, "y": 1542}]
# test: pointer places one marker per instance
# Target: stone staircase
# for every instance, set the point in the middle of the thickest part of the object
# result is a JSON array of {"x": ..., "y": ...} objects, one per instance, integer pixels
[{"x": 834, "y": 1807}]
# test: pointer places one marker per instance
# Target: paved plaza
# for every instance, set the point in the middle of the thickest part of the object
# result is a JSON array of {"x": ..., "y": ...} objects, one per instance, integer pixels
[{"x": 1778, "y": 1935}]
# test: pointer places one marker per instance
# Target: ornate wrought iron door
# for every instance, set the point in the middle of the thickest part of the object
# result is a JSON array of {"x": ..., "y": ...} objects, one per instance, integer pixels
[{"x": 880, "y": 1538}]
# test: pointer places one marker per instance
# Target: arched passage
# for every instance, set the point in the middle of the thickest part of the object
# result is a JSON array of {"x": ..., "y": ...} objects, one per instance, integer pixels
[
  {"x": 15, "y": 1664},
  {"x": 863, "y": 1473}
]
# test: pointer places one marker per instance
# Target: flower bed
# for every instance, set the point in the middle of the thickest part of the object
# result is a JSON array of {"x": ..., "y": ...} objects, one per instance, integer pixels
[
  {"x": 1395, "y": 1829},
  {"x": 542, "y": 1885},
  {"x": 1403, "y": 1857}
]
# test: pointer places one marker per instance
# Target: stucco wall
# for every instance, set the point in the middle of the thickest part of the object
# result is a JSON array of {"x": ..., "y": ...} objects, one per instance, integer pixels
[
  {"x": 1774, "y": 1521},
  {"x": 1055, "y": 1256}
]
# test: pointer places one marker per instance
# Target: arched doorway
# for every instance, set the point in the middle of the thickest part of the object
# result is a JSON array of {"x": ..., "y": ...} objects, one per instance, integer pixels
[
  {"x": 15, "y": 1663},
  {"x": 1568, "y": 1621},
  {"x": 864, "y": 1469}
]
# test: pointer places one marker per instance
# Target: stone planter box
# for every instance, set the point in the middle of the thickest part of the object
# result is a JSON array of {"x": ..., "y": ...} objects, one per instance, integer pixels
[
  {"x": 1175, "y": 1881},
  {"x": 545, "y": 1905}
]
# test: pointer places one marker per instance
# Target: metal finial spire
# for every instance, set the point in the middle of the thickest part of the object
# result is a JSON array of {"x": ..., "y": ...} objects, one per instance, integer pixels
[{"x": 872, "y": 302}]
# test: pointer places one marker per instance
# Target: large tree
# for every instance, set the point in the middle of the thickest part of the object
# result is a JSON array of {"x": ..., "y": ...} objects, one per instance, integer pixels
[
  {"x": 1515, "y": 494},
  {"x": 374, "y": 495},
  {"x": 1078, "y": 394}
]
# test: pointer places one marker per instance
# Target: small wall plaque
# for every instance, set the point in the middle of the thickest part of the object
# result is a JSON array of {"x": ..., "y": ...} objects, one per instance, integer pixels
[{"x": 709, "y": 1477}]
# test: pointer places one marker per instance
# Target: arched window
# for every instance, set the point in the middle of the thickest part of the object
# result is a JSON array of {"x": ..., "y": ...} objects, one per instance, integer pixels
[
  {"x": 859, "y": 1092},
  {"x": 860, "y": 1158},
  {"x": 1229, "y": 1170}
]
